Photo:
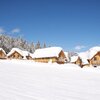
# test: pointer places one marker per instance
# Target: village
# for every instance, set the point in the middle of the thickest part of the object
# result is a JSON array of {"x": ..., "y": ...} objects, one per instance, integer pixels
[
  {"x": 49, "y": 49},
  {"x": 55, "y": 55}
]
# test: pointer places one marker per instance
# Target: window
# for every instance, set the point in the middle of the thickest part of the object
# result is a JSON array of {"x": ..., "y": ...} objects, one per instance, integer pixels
[{"x": 13, "y": 56}]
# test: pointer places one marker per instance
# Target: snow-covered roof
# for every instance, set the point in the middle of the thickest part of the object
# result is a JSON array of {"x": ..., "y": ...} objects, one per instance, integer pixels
[
  {"x": 74, "y": 58},
  {"x": 47, "y": 52},
  {"x": 21, "y": 52},
  {"x": 93, "y": 51},
  {"x": 15, "y": 49},
  {"x": 88, "y": 54},
  {"x": 31, "y": 54},
  {"x": 66, "y": 54},
  {"x": 84, "y": 57},
  {"x": 2, "y": 51},
  {"x": 25, "y": 53}
]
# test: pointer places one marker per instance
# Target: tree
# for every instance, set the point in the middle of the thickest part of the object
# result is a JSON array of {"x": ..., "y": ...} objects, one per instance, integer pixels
[
  {"x": 37, "y": 46},
  {"x": 8, "y": 42},
  {"x": 44, "y": 45},
  {"x": 32, "y": 49}
]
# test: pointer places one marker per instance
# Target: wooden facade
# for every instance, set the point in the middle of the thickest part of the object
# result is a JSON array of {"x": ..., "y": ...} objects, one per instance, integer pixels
[
  {"x": 60, "y": 59},
  {"x": 78, "y": 62},
  {"x": 95, "y": 60},
  {"x": 84, "y": 65},
  {"x": 46, "y": 59},
  {"x": 29, "y": 57},
  {"x": 15, "y": 55},
  {"x": 2, "y": 55}
]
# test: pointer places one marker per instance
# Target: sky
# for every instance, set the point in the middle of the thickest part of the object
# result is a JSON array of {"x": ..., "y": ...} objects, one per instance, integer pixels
[{"x": 73, "y": 25}]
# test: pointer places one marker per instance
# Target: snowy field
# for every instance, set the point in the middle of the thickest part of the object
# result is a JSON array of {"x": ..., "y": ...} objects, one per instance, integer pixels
[{"x": 27, "y": 80}]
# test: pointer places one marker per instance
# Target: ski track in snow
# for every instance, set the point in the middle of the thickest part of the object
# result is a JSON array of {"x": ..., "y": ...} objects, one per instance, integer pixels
[{"x": 27, "y": 80}]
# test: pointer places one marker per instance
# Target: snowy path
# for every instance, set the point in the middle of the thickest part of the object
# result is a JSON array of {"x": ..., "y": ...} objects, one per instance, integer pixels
[{"x": 24, "y": 80}]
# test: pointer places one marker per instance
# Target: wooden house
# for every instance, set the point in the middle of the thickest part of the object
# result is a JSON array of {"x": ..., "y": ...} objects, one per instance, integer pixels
[
  {"x": 15, "y": 53},
  {"x": 76, "y": 60},
  {"x": 51, "y": 54},
  {"x": 95, "y": 59},
  {"x": 94, "y": 56},
  {"x": 67, "y": 60},
  {"x": 2, "y": 54},
  {"x": 27, "y": 55},
  {"x": 84, "y": 56}
]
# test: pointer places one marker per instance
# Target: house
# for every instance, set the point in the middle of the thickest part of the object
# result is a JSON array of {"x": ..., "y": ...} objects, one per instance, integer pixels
[
  {"x": 84, "y": 56},
  {"x": 27, "y": 55},
  {"x": 94, "y": 56},
  {"x": 76, "y": 60},
  {"x": 2, "y": 54},
  {"x": 67, "y": 57},
  {"x": 15, "y": 53},
  {"x": 51, "y": 54},
  {"x": 94, "y": 59}
]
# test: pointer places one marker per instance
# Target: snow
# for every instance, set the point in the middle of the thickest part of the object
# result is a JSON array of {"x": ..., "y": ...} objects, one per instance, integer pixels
[
  {"x": 84, "y": 57},
  {"x": 88, "y": 54},
  {"x": 15, "y": 49},
  {"x": 67, "y": 56},
  {"x": 23, "y": 53},
  {"x": 27, "y": 80},
  {"x": 74, "y": 58},
  {"x": 2, "y": 51},
  {"x": 47, "y": 52},
  {"x": 93, "y": 51}
]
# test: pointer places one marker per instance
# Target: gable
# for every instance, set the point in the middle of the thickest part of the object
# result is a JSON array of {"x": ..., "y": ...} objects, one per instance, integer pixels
[
  {"x": 61, "y": 54},
  {"x": 15, "y": 53},
  {"x": 97, "y": 55},
  {"x": 1, "y": 52}
]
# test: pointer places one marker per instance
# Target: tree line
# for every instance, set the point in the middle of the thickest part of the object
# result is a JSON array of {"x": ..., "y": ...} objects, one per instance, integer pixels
[{"x": 7, "y": 43}]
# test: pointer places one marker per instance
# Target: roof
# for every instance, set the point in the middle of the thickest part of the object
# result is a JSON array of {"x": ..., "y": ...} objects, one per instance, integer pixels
[
  {"x": 88, "y": 54},
  {"x": 21, "y": 52},
  {"x": 47, "y": 52},
  {"x": 74, "y": 58},
  {"x": 93, "y": 51},
  {"x": 15, "y": 49},
  {"x": 66, "y": 54},
  {"x": 26, "y": 53},
  {"x": 2, "y": 51},
  {"x": 84, "y": 57}
]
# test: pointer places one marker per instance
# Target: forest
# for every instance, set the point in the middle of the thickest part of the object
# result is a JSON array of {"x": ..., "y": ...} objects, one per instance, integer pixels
[{"x": 8, "y": 42}]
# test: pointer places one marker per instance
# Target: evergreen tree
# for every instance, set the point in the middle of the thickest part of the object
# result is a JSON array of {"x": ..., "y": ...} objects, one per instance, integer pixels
[
  {"x": 8, "y": 42},
  {"x": 37, "y": 46},
  {"x": 44, "y": 45},
  {"x": 32, "y": 49}
]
